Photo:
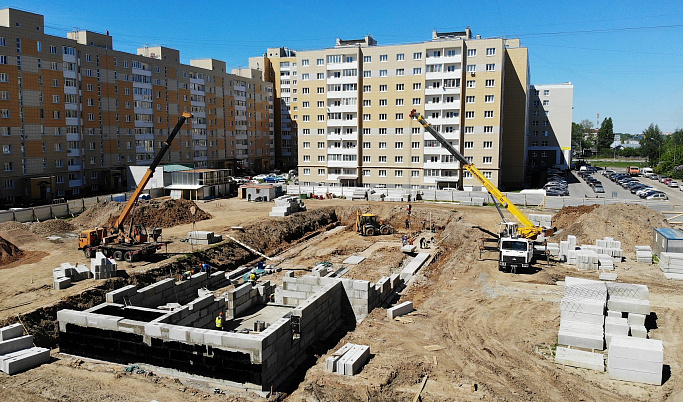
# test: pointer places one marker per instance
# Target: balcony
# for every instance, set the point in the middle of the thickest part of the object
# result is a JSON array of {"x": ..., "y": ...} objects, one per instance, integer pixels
[
  {"x": 343, "y": 108},
  {"x": 444, "y": 59},
  {"x": 342, "y": 164},
  {"x": 342, "y": 123},
  {"x": 342, "y": 80},
  {"x": 72, "y": 152},
  {"x": 442, "y": 91},
  {"x": 74, "y": 168},
  {"x": 343, "y": 150},
  {"x": 75, "y": 183}
]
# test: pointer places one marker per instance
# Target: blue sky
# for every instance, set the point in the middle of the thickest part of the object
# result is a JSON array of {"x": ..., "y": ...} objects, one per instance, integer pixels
[{"x": 624, "y": 58}]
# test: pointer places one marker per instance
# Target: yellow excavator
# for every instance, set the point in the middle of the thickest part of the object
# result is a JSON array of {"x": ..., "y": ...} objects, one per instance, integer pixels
[
  {"x": 369, "y": 225},
  {"x": 515, "y": 242},
  {"x": 132, "y": 246}
]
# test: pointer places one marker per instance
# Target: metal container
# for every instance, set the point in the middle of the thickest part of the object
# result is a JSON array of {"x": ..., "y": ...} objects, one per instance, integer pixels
[{"x": 667, "y": 240}]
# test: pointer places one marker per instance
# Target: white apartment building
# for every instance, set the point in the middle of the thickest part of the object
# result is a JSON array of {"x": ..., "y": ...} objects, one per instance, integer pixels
[{"x": 549, "y": 140}]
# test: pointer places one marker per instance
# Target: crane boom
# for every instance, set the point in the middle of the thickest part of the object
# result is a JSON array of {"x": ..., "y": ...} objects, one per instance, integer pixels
[
  {"x": 528, "y": 229},
  {"x": 150, "y": 172}
]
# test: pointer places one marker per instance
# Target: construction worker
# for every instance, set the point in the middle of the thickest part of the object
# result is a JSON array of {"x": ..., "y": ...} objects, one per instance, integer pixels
[
  {"x": 423, "y": 243},
  {"x": 187, "y": 275},
  {"x": 433, "y": 227},
  {"x": 205, "y": 267},
  {"x": 424, "y": 223},
  {"x": 219, "y": 321},
  {"x": 404, "y": 240},
  {"x": 408, "y": 222},
  {"x": 409, "y": 209},
  {"x": 252, "y": 278}
]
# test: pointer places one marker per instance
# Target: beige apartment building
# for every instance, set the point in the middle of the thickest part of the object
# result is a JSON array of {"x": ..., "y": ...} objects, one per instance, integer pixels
[
  {"x": 349, "y": 107},
  {"x": 549, "y": 141},
  {"x": 74, "y": 112}
]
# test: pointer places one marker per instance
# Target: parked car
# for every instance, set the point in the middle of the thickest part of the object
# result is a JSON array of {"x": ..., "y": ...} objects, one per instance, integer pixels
[
  {"x": 644, "y": 190},
  {"x": 662, "y": 179},
  {"x": 657, "y": 196},
  {"x": 654, "y": 176},
  {"x": 648, "y": 193},
  {"x": 672, "y": 183},
  {"x": 599, "y": 189}
]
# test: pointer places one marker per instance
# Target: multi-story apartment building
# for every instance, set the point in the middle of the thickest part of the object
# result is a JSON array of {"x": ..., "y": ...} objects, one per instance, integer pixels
[
  {"x": 74, "y": 111},
  {"x": 549, "y": 139},
  {"x": 351, "y": 107}
]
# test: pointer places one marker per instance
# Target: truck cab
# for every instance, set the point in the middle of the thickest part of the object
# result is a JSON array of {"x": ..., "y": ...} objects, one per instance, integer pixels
[
  {"x": 515, "y": 253},
  {"x": 91, "y": 237}
]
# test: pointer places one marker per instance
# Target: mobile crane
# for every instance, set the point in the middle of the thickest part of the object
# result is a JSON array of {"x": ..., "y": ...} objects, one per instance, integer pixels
[
  {"x": 515, "y": 243},
  {"x": 134, "y": 245}
]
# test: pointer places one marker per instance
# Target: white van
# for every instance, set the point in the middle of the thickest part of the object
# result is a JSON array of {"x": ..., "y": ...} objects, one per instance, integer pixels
[{"x": 646, "y": 170}]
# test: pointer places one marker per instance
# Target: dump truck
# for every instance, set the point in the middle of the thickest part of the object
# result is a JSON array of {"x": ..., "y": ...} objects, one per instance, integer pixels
[{"x": 137, "y": 243}]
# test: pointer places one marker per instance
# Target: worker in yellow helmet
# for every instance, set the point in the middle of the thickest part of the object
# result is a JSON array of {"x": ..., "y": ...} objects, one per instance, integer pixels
[{"x": 219, "y": 321}]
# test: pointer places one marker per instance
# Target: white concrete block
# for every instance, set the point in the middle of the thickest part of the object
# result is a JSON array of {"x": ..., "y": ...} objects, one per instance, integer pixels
[
  {"x": 178, "y": 333},
  {"x": 14, "y": 344},
  {"x": 581, "y": 327},
  {"x": 582, "y": 317},
  {"x": 360, "y": 356},
  {"x": 580, "y": 305},
  {"x": 400, "y": 309},
  {"x": 629, "y": 305},
  {"x": 635, "y": 376},
  {"x": 615, "y": 314},
  {"x": 628, "y": 290},
  {"x": 331, "y": 362},
  {"x": 588, "y": 341},
  {"x": 637, "y": 348},
  {"x": 11, "y": 331},
  {"x": 23, "y": 360},
  {"x": 153, "y": 329},
  {"x": 636, "y": 319},
  {"x": 638, "y": 331},
  {"x": 616, "y": 326},
  {"x": 580, "y": 358}
]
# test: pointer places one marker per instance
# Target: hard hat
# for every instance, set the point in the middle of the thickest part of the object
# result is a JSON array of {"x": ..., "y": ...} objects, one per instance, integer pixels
[{"x": 221, "y": 313}]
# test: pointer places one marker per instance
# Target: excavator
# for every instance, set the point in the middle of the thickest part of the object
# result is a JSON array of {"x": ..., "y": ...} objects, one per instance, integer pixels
[
  {"x": 515, "y": 242},
  {"x": 134, "y": 245},
  {"x": 368, "y": 225}
]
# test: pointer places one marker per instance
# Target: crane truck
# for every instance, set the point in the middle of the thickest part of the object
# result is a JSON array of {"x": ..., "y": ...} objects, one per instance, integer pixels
[
  {"x": 515, "y": 243},
  {"x": 134, "y": 245}
]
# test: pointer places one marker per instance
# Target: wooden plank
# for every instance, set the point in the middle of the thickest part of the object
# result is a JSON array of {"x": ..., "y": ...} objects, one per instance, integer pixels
[
  {"x": 422, "y": 387},
  {"x": 434, "y": 348}
]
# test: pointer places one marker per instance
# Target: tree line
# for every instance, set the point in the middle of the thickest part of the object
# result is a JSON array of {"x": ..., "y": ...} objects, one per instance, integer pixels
[{"x": 663, "y": 152}]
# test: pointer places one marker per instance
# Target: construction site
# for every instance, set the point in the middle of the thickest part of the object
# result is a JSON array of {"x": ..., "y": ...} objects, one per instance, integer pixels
[{"x": 333, "y": 314}]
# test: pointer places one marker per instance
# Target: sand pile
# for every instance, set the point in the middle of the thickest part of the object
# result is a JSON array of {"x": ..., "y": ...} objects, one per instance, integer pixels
[
  {"x": 154, "y": 213},
  {"x": 52, "y": 227},
  {"x": 632, "y": 224},
  {"x": 8, "y": 252}
]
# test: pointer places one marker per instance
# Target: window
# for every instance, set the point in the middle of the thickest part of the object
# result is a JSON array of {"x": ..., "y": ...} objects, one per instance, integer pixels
[
  {"x": 383, "y": 73},
  {"x": 491, "y": 67},
  {"x": 383, "y": 88},
  {"x": 398, "y": 145},
  {"x": 471, "y": 83},
  {"x": 367, "y": 74},
  {"x": 400, "y": 57},
  {"x": 367, "y": 59},
  {"x": 382, "y": 145},
  {"x": 487, "y": 160},
  {"x": 488, "y": 129},
  {"x": 382, "y": 116},
  {"x": 321, "y": 90},
  {"x": 488, "y": 175},
  {"x": 417, "y": 56},
  {"x": 367, "y": 88},
  {"x": 307, "y": 158},
  {"x": 7, "y": 149},
  {"x": 399, "y": 72},
  {"x": 490, "y": 83},
  {"x": 417, "y": 71},
  {"x": 366, "y": 172},
  {"x": 469, "y": 114},
  {"x": 546, "y": 92},
  {"x": 469, "y": 144},
  {"x": 544, "y": 144},
  {"x": 321, "y": 172},
  {"x": 415, "y": 145},
  {"x": 383, "y": 57},
  {"x": 306, "y": 104},
  {"x": 400, "y": 87},
  {"x": 321, "y": 145},
  {"x": 488, "y": 144},
  {"x": 321, "y": 62},
  {"x": 366, "y": 159},
  {"x": 5, "y": 114},
  {"x": 320, "y": 76},
  {"x": 382, "y": 173},
  {"x": 469, "y": 99},
  {"x": 471, "y": 68},
  {"x": 488, "y": 98},
  {"x": 545, "y": 123},
  {"x": 366, "y": 116},
  {"x": 382, "y": 130},
  {"x": 366, "y": 145},
  {"x": 398, "y": 159},
  {"x": 488, "y": 114},
  {"x": 417, "y": 101},
  {"x": 398, "y": 173},
  {"x": 490, "y": 51},
  {"x": 417, "y": 86},
  {"x": 382, "y": 102},
  {"x": 382, "y": 159},
  {"x": 471, "y": 52},
  {"x": 399, "y": 102},
  {"x": 306, "y": 145},
  {"x": 469, "y": 129},
  {"x": 321, "y": 117},
  {"x": 307, "y": 171},
  {"x": 399, "y": 116},
  {"x": 55, "y": 114},
  {"x": 546, "y": 102}
]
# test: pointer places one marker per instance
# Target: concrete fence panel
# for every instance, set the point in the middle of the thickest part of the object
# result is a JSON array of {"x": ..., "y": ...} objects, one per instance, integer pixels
[{"x": 43, "y": 213}]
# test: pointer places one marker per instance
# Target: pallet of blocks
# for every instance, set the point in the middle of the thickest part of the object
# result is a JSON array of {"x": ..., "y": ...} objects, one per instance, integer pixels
[
  {"x": 582, "y": 313},
  {"x": 671, "y": 265},
  {"x": 286, "y": 205},
  {"x": 644, "y": 254},
  {"x": 17, "y": 352}
]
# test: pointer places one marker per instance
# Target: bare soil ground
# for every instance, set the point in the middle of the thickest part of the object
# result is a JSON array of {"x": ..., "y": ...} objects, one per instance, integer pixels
[{"x": 497, "y": 330}]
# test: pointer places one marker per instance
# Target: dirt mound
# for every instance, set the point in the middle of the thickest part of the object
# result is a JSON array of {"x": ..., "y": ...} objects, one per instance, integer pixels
[
  {"x": 13, "y": 225},
  {"x": 631, "y": 224},
  {"x": 51, "y": 227},
  {"x": 154, "y": 213},
  {"x": 8, "y": 252}
]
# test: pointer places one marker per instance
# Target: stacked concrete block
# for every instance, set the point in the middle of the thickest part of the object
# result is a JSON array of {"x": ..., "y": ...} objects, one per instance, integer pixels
[
  {"x": 580, "y": 358},
  {"x": 17, "y": 352},
  {"x": 545, "y": 221},
  {"x": 400, "y": 309},
  {"x": 359, "y": 194},
  {"x": 348, "y": 360},
  {"x": 587, "y": 260},
  {"x": 671, "y": 265},
  {"x": 636, "y": 360},
  {"x": 615, "y": 327},
  {"x": 203, "y": 237},
  {"x": 583, "y": 313},
  {"x": 608, "y": 276},
  {"x": 644, "y": 254},
  {"x": 287, "y": 205},
  {"x": 605, "y": 262},
  {"x": 102, "y": 267},
  {"x": 638, "y": 331},
  {"x": 628, "y": 297},
  {"x": 553, "y": 249},
  {"x": 66, "y": 274}
]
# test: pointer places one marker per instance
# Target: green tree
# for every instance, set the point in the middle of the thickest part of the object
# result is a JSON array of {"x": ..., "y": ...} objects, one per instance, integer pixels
[
  {"x": 605, "y": 135},
  {"x": 651, "y": 143}
]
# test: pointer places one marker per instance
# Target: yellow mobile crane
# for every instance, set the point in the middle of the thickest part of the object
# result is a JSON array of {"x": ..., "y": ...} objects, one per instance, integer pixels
[
  {"x": 132, "y": 246},
  {"x": 515, "y": 242}
]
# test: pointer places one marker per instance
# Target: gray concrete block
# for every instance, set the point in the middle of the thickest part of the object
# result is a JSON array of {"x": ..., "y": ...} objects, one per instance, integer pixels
[
  {"x": 178, "y": 333},
  {"x": 638, "y": 349},
  {"x": 582, "y": 340},
  {"x": 14, "y": 344},
  {"x": 580, "y": 358},
  {"x": 628, "y": 290},
  {"x": 615, "y": 314},
  {"x": 400, "y": 309},
  {"x": 23, "y": 360},
  {"x": 61, "y": 283},
  {"x": 582, "y": 317},
  {"x": 213, "y": 337},
  {"x": 153, "y": 330},
  {"x": 117, "y": 295},
  {"x": 359, "y": 356},
  {"x": 331, "y": 362},
  {"x": 634, "y": 365},
  {"x": 636, "y": 319},
  {"x": 616, "y": 326},
  {"x": 634, "y": 376},
  {"x": 341, "y": 363},
  {"x": 11, "y": 331},
  {"x": 71, "y": 317}
]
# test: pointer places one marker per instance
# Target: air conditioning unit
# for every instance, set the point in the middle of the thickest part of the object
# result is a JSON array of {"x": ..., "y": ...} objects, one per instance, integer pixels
[{"x": 472, "y": 73}]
